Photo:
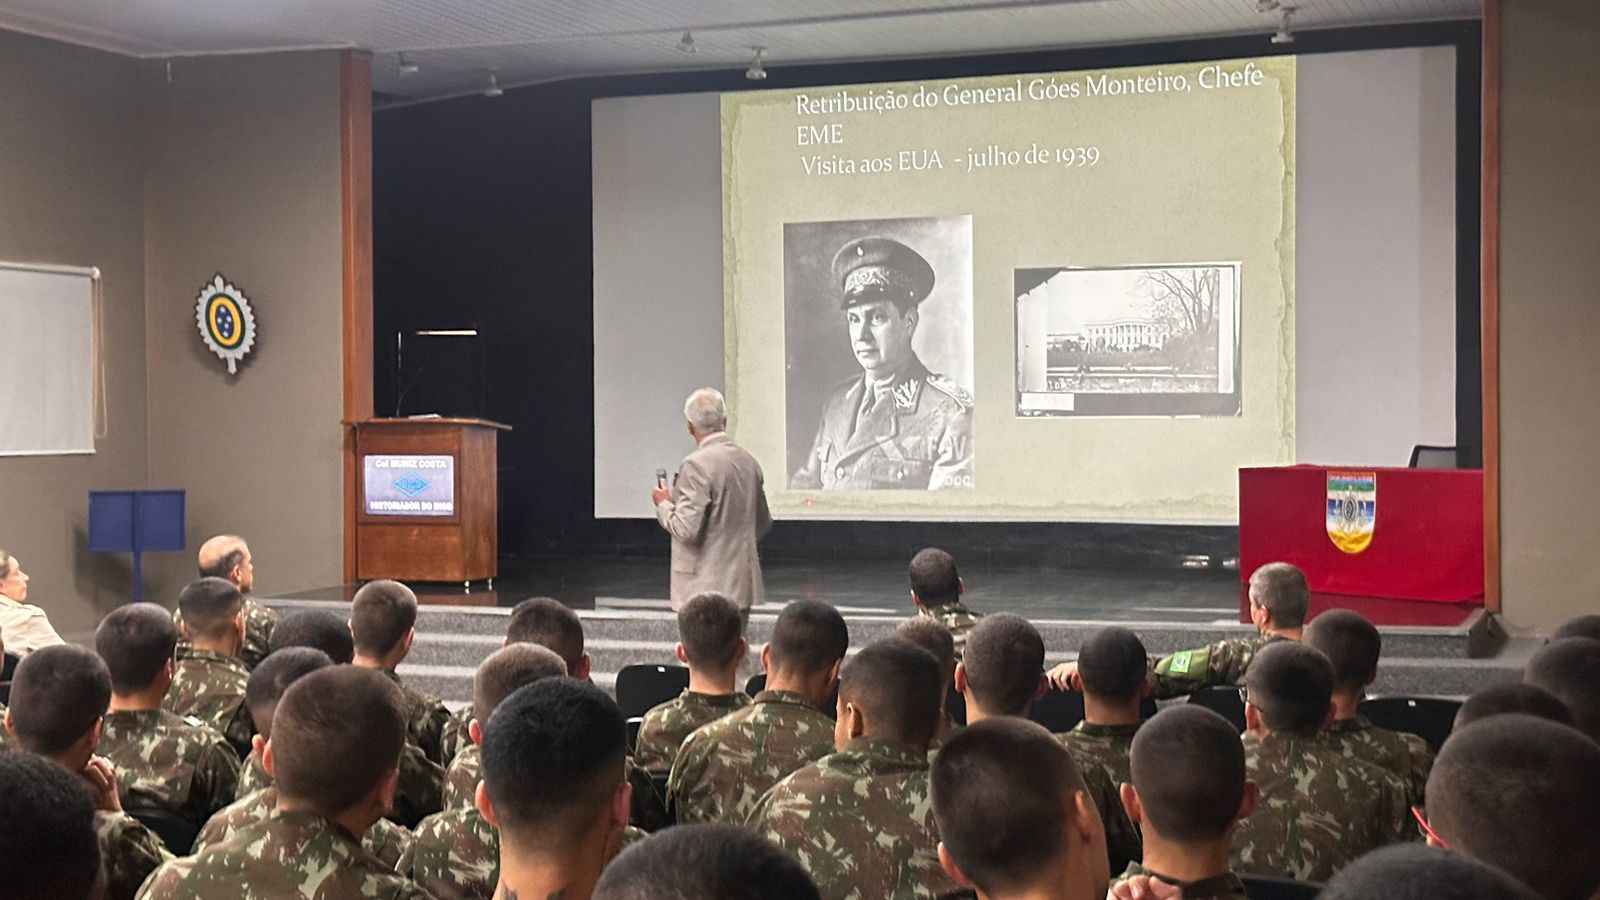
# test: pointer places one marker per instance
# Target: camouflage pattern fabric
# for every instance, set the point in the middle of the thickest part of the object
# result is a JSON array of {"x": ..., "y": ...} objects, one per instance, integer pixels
[
  {"x": 861, "y": 823},
  {"x": 461, "y": 779},
  {"x": 129, "y": 852},
  {"x": 384, "y": 840},
  {"x": 1403, "y": 754},
  {"x": 420, "y": 792},
  {"x": 1217, "y": 887},
  {"x": 957, "y": 619},
  {"x": 1101, "y": 754},
  {"x": 455, "y": 737},
  {"x": 665, "y": 726},
  {"x": 258, "y": 624},
  {"x": 455, "y": 856},
  {"x": 289, "y": 854},
  {"x": 425, "y": 718},
  {"x": 1224, "y": 662},
  {"x": 253, "y": 777},
  {"x": 723, "y": 768},
  {"x": 176, "y": 763},
  {"x": 210, "y": 687},
  {"x": 1318, "y": 809},
  {"x": 648, "y": 810}
]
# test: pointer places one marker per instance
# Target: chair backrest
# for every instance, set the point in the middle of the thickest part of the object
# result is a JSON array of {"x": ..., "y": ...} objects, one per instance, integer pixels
[
  {"x": 1058, "y": 711},
  {"x": 1223, "y": 699},
  {"x": 634, "y": 723},
  {"x": 1263, "y": 887},
  {"x": 1426, "y": 456},
  {"x": 1430, "y": 718},
  {"x": 176, "y": 832},
  {"x": 643, "y": 686}
]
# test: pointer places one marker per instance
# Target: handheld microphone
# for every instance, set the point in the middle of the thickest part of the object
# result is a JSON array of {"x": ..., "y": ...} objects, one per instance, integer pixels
[{"x": 661, "y": 478}]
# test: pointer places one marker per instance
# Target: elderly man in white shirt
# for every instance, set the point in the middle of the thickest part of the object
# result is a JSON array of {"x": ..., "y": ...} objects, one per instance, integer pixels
[{"x": 26, "y": 627}]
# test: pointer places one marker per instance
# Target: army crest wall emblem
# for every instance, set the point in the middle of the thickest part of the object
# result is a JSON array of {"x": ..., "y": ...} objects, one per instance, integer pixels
[
  {"x": 226, "y": 322},
  {"x": 1352, "y": 509}
]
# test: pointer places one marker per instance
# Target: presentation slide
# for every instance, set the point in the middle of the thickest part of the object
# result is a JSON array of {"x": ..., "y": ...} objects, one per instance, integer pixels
[{"x": 1054, "y": 296}]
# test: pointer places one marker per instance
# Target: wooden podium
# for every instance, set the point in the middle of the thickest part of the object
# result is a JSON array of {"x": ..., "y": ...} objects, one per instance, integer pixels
[{"x": 426, "y": 505}]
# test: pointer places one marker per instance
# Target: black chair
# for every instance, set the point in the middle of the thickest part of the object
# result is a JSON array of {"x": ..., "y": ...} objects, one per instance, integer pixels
[
  {"x": 176, "y": 832},
  {"x": 956, "y": 705},
  {"x": 758, "y": 683},
  {"x": 1427, "y": 456},
  {"x": 1430, "y": 718},
  {"x": 7, "y": 669},
  {"x": 1223, "y": 699},
  {"x": 658, "y": 780},
  {"x": 1058, "y": 711},
  {"x": 1263, "y": 887},
  {"x": 633, "y": 731},
  {"x": 644, "y": 686}
]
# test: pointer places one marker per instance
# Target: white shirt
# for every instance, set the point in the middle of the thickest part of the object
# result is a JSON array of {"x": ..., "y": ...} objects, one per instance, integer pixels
[{"x": 25, "y": 627}]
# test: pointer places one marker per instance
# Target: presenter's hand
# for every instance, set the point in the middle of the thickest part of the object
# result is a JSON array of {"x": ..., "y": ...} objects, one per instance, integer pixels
[
  {"x": 1065, "y": 677},
  {"x": 1143, "y": 887},
  {"x": 660, "y": 495}
]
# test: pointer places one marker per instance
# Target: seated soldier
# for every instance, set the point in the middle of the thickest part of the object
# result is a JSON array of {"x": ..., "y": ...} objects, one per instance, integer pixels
[
  {"x": 1511, "y": 697},
  {"x": 1112, "y": 666},
  {"x": 317, "y": 629},
  {"x": 936, "y": 589},
  {"x": 859, "y": 819},
  {"x": 936, "y": 639},
  {"x": 1279, "y": 599},
  {"x": 1002, "y": 675},
  {"x": 456, "y": 854},
  {"x": 1014, "y": 817},
  {"x": 705, "y": 862},
  {"x": 1353, "y": 645},
  {"x": 174, "y": 763},
  {"x": 554, "y": 788},
  {"x": 334, "y": 755},
  {"x": 711, "y": 643},
  {"x": 723, "y": 768},
  {"x": 1188, "y": 792},
  {"x": 209, "y": 683},
  {"x": 1413, "y": 872},
  {"x": 1570, "y": 669},
  {"x": 383, "y": 618},
  {"x": 385, "y": 839},
  {"x": 58, "y": 695},
  {"x": 1319, "y": 810},
  {"x": 1519, "y": 793},
  {"x": 227, "y": 556},
  {"x": 48, "y": 848}
]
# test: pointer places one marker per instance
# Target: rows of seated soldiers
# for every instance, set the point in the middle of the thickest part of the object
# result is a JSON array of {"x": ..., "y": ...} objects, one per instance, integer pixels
[{"x": 138, "y": 769}]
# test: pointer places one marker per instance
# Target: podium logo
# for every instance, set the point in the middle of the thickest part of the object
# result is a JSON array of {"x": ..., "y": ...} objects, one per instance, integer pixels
[
  {"x": 411, "y": 484},
  {"x": 1352, "y": 509}
]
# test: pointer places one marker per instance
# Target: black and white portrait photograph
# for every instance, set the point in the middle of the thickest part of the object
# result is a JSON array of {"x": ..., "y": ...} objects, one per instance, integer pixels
[
  {"x": 1128, "y": 341},
  {"x": 878, "y": 354}
]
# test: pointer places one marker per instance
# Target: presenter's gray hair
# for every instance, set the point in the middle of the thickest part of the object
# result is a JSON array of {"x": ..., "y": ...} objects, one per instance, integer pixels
[
  {"x": 706, "y": 410},
  {"x": 5, "y": 564}
]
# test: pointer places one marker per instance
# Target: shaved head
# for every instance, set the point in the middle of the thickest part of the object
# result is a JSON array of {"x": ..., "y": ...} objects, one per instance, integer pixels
[{"x": 227, "y": 556}]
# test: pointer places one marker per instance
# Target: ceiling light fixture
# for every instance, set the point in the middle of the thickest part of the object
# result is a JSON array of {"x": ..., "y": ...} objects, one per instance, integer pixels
[
  {"x": 407, "y": 67},
  {"x": 1266, "y": 6},
  {"x": 756, "y": 72},
  {"x": 686, "y": 43},
  {"x": 1284, "y": 35},
  {"x": 493, "y": 90}
]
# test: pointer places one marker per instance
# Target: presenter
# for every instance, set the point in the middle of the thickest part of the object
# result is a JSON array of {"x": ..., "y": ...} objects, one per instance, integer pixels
[{"x": 715, "y": 510}]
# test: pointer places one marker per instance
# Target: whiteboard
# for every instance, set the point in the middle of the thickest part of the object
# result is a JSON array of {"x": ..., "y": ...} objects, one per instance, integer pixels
[{"x": 47, "y": 359}]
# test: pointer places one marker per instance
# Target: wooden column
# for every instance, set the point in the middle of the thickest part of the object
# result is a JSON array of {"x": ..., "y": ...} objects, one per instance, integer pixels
[
  {"x": 355, "y": 189},
  {"x": 1489, "y": 282}
]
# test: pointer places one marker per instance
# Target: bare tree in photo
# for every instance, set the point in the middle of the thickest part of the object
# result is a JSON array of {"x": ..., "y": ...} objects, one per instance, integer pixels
[{"x": 1185, "y": 302}]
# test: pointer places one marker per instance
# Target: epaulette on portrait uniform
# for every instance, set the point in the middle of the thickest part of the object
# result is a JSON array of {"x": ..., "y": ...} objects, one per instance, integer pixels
[{"x": 950, "y": 389}]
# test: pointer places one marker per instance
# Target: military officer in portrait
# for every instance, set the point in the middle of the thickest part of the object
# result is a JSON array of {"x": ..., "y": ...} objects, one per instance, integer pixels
[{"x": 895, "y": 425}]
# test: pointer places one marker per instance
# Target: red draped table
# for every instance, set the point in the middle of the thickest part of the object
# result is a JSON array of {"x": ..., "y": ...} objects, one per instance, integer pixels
[{"x": 1426, "y": 529}]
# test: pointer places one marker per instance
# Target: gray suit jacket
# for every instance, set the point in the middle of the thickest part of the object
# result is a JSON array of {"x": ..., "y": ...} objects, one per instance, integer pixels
[{"x": 717, "y": 513}]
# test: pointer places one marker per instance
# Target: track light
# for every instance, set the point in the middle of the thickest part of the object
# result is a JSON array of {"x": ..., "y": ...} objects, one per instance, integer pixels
[
  {"x": 493, "y": 90},
  {"x": 686, "y": 43},
  {"x": 756, "y": 72},
  {"x": 407, "y": 67},
  {"x": 1284, "y": 35}
]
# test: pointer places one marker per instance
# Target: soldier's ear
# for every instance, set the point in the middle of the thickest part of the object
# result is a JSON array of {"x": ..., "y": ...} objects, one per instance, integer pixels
[
  {"x": 948, "y": 863},
  {"x": 1042, "y": 687},
  {"x": 680, "y": 653},
  {"x": 1332, "y": 712},
  {"x": 1252, "y": 717},
  {"x": 1130, "y": 802},
  {"x": 766, "y": 658},
  {"x": 961, "y": 678},
  {"x": 475, "y": 731},
  {"x": 480, "y": 799},
  {"x": 268, "y": 760},
  {"x": 258, "y": 745},
  {"x": 1248, "y": 802}
]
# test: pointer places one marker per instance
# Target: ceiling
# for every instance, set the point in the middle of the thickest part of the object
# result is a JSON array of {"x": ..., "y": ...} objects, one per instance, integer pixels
[{"x": 455, "y": 43}]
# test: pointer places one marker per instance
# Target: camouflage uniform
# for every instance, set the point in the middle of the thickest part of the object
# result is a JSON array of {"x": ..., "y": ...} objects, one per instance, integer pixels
[
  {"x": 665, "y": 726},
  {"x": 384, "y": 840},
  {"x": 129, "y": 852},
  {"x": 1221, "y": 663},
  {"x": 1318, "y": 810},
  {"x": 861, "y": 823},
  {"x": 455, "y": 856},
  {"x": 1101, "y": 753},
  {"x": 176, "y": 763},
  {"x": 461, "y": 779},
  {"x": 290, "y": 854},
  {"x": 425, "y": 718},
  {"x": 210, "y": 687},
  {"x": 466, "y": 770},
  {"x": 455, "y": 736},
  {"x": 253, "y": 777},
  {"x": 258, "y": 624},
  {"x": 420, "y": 792},
  {"x": 1217, "y": 887},
  {"x": 1403, "y": 754},
  {"x": 956, "y": 618},
  {"x": 725, "y": 767}
]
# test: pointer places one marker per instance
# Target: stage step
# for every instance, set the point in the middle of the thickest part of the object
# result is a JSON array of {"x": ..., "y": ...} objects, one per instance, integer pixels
[{"x": 452, "y": 640}]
